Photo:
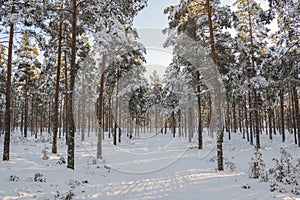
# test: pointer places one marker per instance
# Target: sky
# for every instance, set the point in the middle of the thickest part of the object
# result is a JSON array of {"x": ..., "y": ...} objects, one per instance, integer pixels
[{"x": 150, "y": 22}]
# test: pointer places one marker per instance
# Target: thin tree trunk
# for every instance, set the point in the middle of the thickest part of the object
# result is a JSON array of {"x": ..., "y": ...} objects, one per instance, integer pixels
[
  {"x": 270, "y": 115},
  {"x": 294, "y": 116},
  {"x": 297, "y": 113},
  {"x": 56, "y": 100},
  {"x": 83, "y": 111},
  {"x": 200, "y": 145},
  {"x": 6, "y": 145},
  {"x": 246, "y": 119},
  {"x": 173, "y": 123},
  {"x": 281, "y": 94},
  {"x": 66, "y": 100},
  {"x": 228, "y": 122},
  {"x": 250, "y": 119},
  {"x": 100, "y": 108},
  {"x": 26, "y": 104},
  {"x": 71, "y": 141},
  {"x": 234, "y": 115},
  {"x": 217, "y": 92},
  {"x": 257, "y": 132}
]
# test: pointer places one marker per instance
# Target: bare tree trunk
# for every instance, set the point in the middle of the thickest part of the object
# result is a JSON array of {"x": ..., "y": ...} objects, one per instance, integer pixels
[
  {"x": 240, "y": 118},
  {"x": 281, "y": 94},
  {"x": 217, "y": 92},
  {"x": 173, "y": 123},
  {"x": 56, "y": 100},
  {"x": 8, "y": 93},
  {"x": 66, "y": 100},
  {"x": 200, "y": 145},
  {"x": 270, "y": 115},
  {"x": 190, "y": 120},
  {"x": 100, "y": 108},
  {"x": 297, "y": 113},
  {"x": 228, "y": 122},
  {"x": 293, "y": 115},
  {"x": 83, "y": 111},
  {"x": 26, "y": 105},
  {"x": 234, "y": 115},
  {"x": 71, "y": 141},
  {"x": 257, "y": 132}
]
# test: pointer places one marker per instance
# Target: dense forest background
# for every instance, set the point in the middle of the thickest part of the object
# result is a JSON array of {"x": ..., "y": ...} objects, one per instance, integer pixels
[{"x": 76, "y": 67}]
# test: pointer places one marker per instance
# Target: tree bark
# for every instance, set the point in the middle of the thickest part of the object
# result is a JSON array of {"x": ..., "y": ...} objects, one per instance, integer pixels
[
  {"x": 56, "y": 99},
  {"x": 281, "y": 94},
  {"x": 297, "y": 113},
  {"x": 218, "y": 90},
  {"x": 71, "y": 141},
  {"x": 200, "y": 143},
  {"x": 270, "y": 115},
  {"x": 26, "y": 103},
  {"x": 83, "y": 110},
  {"x": 6, "y": 145},
  {"x": 66, "y": 100},
  {"x": 255, "y": 107},
  {"x": 100, "y": 109}
]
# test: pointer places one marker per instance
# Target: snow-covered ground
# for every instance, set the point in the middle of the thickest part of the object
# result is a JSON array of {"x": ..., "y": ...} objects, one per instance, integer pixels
[{"x": 149, "y": 167}]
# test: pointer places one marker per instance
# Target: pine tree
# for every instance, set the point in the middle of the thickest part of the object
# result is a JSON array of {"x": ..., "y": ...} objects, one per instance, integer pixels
[
  {"x": 195, "y": 19},
  {"x": 27, "y": 73},
  {"x": 156, "y": 96},
  {"x": 252, "y": 32},
  {"x": 257, "y": 167},
  {"x": 286, "y": 49}
]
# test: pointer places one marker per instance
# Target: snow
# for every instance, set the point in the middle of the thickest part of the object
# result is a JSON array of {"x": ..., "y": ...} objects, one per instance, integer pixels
[{"x": 149, "y": 167}]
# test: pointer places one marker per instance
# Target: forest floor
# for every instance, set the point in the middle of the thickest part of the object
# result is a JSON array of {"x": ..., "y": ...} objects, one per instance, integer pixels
[{"x": 149, "y": 167}]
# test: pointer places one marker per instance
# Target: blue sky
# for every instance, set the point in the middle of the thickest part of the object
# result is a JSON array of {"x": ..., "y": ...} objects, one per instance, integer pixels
[
  {"x": 152, "y": 16},
  {"x": 149, "y": 23}
]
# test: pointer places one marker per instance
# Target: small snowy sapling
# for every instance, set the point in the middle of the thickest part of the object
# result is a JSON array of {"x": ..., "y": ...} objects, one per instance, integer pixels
[{"x": 257, "y": 167}]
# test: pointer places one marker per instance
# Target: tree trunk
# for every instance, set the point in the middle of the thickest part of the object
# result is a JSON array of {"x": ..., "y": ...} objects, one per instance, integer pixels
[
  {"x": 200, "y": 145},
  {"x": 190, "y": 120},
  {"x": 297, "y": 113},
  {"x": 56, "y": 99},
  {"x": 71, "y": 141},
  {"x": 257, "y": 132},
  {"x": 217, "y": 92},
  {"x": 270, "y": 115},
  {"x": 66, "y": 100},
  {"x": 281, "y": 94},
  {"x": 100, "y": 108},
  {"x": 83, "y": 111},
  {"x": 234, "y": 115},
  {"x": 8, "y": 93},
  {"x": 26, "y": 105},
  {"x": 173, "y": 123},
  {"x": 293, "y": 115}
]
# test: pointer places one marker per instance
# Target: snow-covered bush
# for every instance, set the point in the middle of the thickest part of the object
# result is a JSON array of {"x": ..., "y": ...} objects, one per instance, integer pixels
[
  {"x": 45, "y": 156},
  {"x": 285, "y": 173},
  {"x": 257, "y": 167}
]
